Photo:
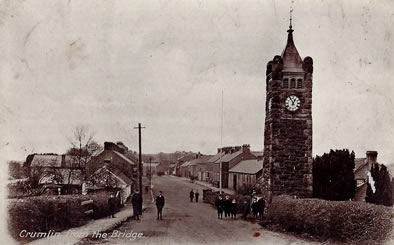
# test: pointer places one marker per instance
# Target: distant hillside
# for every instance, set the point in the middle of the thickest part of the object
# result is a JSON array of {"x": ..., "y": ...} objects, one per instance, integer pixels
[{"x": 164, "y": 158}]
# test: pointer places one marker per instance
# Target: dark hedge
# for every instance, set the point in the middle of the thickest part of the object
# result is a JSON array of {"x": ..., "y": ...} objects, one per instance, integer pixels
[{"x": 343, "y": 221}]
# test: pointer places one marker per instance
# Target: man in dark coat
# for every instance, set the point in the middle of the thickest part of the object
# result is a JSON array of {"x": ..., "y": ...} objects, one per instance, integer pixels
[
  {"x": 111, "y": 206},
  {"x": 219, "y": 205},
  {"x": 191, "y": 195},
  {"x": 245, "y": 206},
  {"x": 227, "y": 206},
  {"x": 136, "y": 200},
  {"x": 159, "y": 205},
  {"x": 261, "y": 205},
  {"x": 196, "y": 194},
  {"x": 255, "y": 208}
]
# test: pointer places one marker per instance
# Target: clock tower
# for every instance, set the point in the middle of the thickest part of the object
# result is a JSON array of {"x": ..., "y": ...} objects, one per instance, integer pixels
[{"x": 287, "y": 163}]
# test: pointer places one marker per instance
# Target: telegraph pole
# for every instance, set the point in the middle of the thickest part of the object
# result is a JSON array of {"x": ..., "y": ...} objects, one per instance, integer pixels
[
  {"x": 221, "y": 146},
  {"x": 150, "y": 173},
  {"x": 140, "y": 157}
]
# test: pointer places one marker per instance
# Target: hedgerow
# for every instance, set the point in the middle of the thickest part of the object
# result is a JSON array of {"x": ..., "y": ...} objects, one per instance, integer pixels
[
  {"x": 54, "y": 213},
  {"x": 344, "y": 221}
]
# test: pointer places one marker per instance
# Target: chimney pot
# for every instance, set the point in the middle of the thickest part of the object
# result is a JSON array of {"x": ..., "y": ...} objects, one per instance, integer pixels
[
  {"x": 63, "y": 163},
  {"x": 372, "y": 156}
]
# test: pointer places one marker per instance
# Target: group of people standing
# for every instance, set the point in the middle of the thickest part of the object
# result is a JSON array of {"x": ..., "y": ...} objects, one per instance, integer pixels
[
  {"x": 194, "y": 195},
  {"x": 230, "y": 207}
]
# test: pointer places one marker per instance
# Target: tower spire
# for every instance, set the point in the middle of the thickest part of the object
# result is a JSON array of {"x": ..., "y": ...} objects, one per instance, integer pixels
[
  {"x": 290, "y": 31},
  {"x": 291, "y": 17}
]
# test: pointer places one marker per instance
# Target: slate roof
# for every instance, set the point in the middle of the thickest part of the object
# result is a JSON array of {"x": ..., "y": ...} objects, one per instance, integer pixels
[
  {"x": 247, "y": 167},
  {"x": 229, "y": 157},
  {"x": 124, "y": 158},
  {"x": 215, "y": 158},
  {"x": 130, "y": 155},
  {"x": 50, "y": 161},
  {"x": 120, "y": 174},
  {"x": 291, "y": 58},
  {"x": 115, "y": 172},
  {"x": 201, "y": 160},
  {"x": 359, "y": 163}
]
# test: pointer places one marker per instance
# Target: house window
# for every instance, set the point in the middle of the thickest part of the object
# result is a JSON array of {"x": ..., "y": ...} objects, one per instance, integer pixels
[
  {"x": 299, "y": 83},
  {"x": 286, "y": 83},
  {"x": 292, "y": 83}
]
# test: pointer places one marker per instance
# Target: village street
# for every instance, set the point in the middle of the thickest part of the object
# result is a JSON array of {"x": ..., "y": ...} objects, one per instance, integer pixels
[{"x": 191, "y": 223}]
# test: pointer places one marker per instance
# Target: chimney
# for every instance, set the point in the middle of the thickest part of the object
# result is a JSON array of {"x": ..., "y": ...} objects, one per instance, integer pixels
[
  {"x": 246, "y": 148},
  {"x": 122, "y": 147},
  {"x": 372, "y": 156},
  {"x": 108, "y": 146},
  {"x": 63, "y": 163},
  {"x": 112, "y": 147}
]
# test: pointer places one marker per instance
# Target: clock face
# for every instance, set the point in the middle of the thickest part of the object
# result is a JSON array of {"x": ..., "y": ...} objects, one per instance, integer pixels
[{"x": 292, "y": 103}]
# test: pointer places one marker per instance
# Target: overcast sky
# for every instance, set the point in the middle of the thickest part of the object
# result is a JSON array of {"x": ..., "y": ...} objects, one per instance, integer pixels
[{"x": 113, "y": 64}]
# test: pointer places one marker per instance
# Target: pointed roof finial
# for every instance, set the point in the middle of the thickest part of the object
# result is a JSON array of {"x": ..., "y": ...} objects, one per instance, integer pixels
[{"x": 291, "y": 15}]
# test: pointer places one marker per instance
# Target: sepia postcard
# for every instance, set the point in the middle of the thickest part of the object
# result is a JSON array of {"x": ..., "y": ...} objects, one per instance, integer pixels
[{"x": 197, "y": 122}]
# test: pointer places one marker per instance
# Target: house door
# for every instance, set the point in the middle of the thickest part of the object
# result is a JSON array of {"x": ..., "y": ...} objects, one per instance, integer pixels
[{"x": 235, "y": 182}]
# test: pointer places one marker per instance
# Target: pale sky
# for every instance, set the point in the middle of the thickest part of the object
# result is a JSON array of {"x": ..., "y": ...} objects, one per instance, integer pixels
[{"x": 113, "y": 64}]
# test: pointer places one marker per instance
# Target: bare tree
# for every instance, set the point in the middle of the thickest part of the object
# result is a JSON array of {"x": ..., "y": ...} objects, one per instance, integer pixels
[{"x": 83, "y": 149}]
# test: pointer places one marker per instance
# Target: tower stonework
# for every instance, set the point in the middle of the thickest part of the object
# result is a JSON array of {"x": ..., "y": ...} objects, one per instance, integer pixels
[{"x": 287, "y": 163}]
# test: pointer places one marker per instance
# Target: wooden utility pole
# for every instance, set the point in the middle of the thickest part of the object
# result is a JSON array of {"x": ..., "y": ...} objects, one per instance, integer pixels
[
  {"x": 221, "y": 146},
  {"x": 150, "y": 173},
  {"x": 140, "y": 157}
]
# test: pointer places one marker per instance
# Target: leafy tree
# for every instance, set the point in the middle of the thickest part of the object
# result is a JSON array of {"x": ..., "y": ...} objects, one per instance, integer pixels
[
  {"x": 333, "y": 176},
  {"x": 379, "y": 191}
]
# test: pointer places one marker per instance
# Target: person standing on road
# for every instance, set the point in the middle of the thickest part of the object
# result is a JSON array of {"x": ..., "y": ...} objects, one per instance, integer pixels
[
  {"x": 255, "y": 207},
  {"x": 196, "y": 194},
  {"x": 261, "y": 205},
  {"x": 219, "y": 206},
  {"x": 159, "y": 205},
  {"x": 136, "y": 201},
  {"x": 111, "y": 206},
  {"x": 227, "y": 207},
  {"x": 191, "y": 195},
  {"x": 245, "y": 207},
  {"x": 234, "y": 209}
]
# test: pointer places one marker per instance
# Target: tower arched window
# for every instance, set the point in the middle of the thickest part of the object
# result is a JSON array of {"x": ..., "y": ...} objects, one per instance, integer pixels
[
  {"x": 299, "y": 83},
  {"x": 286, "y": 83},
  {"x": 292, "y": 83}
]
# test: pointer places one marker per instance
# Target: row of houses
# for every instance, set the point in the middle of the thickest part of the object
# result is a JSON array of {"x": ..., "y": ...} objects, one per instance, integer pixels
[
  {"x": 240, "y": 167},
  {"x": 115, "y": 167}
]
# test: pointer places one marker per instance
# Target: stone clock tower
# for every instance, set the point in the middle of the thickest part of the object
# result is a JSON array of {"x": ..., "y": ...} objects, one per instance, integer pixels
[{"x": 287, "y": 165}]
